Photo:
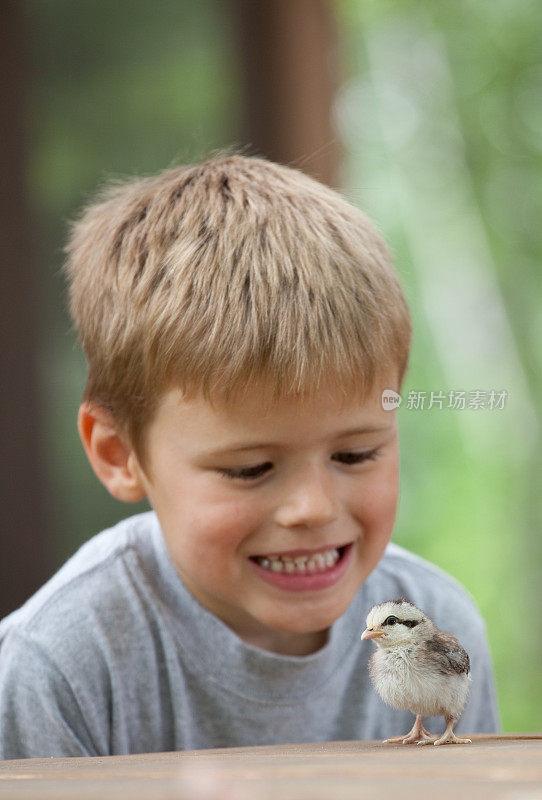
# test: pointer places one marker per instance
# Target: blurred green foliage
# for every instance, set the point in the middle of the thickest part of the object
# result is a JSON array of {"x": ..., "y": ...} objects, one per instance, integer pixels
[{"x": 439, "y": 117}]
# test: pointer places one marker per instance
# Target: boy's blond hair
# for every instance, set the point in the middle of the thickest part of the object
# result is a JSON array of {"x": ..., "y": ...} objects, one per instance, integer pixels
[{"x": 211, "y": 276}]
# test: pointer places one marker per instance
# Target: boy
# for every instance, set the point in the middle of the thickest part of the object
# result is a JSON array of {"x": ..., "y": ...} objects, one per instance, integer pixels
[{"x": 240, "y": 323}]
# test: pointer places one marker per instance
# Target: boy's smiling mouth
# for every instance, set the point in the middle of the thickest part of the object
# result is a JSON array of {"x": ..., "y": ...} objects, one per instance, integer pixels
[{"x": 304, "y": 569}]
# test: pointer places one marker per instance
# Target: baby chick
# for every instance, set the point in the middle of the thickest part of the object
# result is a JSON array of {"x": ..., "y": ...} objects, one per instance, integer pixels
[{"x": 417, "y": 667}]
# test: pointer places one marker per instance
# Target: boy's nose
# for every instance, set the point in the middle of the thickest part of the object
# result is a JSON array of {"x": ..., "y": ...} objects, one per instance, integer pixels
[{"x": 311, "y": 502}]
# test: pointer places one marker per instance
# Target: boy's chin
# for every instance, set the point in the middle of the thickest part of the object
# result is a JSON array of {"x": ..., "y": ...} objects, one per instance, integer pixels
[{"x": 297, "y": 623}]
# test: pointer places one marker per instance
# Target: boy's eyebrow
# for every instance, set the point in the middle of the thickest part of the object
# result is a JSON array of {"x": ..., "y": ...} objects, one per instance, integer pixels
[{"x": 239, "y": 447}]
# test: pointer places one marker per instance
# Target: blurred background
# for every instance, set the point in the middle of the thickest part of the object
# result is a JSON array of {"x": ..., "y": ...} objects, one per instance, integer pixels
[{"x": 426, "y": 115}]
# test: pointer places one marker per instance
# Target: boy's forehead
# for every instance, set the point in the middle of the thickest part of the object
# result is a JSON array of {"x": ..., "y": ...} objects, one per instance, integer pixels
[
  {"x": 259, "y": 395},
  {"x": 254, "y": 412}
]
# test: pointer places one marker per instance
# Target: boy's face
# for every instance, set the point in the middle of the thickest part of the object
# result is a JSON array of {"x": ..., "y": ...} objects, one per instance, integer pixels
[{"x": 253, "y": 506}]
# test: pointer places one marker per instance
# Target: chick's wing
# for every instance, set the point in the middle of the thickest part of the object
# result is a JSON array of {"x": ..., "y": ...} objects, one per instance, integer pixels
[{"x": 447, "y": 654}]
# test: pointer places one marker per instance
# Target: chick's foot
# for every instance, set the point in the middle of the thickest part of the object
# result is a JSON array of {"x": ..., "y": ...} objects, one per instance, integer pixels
[
  {"x": 451, "y": 738},
  {"x": 418, "y": 734}
]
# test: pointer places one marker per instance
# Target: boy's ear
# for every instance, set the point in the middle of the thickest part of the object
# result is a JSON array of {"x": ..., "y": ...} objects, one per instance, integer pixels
[{"x": 111, "y": 458}]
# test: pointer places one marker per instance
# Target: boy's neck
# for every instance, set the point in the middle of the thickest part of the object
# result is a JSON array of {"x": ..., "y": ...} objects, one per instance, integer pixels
[{"x": 287, "y": 644}]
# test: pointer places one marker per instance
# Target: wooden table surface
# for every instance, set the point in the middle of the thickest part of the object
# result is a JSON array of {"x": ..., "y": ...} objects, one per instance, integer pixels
[{"x": 492, "y": 767}]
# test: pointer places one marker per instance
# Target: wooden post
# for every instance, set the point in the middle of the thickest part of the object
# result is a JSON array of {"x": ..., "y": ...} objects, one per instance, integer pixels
[
  {"x": 288, "y": 72},
  {"x": 23, "y": 534}
]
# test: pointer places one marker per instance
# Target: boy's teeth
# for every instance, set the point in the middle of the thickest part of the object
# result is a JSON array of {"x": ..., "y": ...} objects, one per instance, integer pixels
[{"x": 300, "y": 565}]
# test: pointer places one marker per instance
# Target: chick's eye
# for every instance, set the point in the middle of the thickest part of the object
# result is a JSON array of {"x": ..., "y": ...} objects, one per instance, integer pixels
[
  {"x": 353, "y": 457},
  {"x": 391, "y": 620},
  {"x": 246, "y": 473}
]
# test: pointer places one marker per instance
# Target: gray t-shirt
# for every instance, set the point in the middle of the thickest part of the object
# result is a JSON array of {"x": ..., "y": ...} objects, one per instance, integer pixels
[{"x": 114, "y": 656}]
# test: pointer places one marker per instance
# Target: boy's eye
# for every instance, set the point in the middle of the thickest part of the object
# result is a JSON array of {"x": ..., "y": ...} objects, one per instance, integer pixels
[
  {"x": 356, "y": 457},
  {"x": 255, "y": 472},
  {"x": 247, "y": 473}
]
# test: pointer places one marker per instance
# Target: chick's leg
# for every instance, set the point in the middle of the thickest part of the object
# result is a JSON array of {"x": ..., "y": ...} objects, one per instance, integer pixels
[
  {"x": 449, "y": 737},
  {"x": 417, "y": 734}
]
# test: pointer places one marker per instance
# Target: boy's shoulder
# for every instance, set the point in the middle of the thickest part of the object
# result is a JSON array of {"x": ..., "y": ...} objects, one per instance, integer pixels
[
  {"x": 90, "y": 586},
  {"x": 401, "y": 573},
  {"x": 397, "y": 561}
]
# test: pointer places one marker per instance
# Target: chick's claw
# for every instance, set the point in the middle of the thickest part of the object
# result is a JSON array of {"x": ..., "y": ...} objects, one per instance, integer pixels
[
  {"x": 453, "y": 739},
  {"x": 394, "y": 739},
  {"x": 429, "y": 740}
]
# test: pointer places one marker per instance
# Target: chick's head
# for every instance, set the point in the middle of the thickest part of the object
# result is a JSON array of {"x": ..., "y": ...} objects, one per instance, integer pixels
[{"x": 396, "y": 622}]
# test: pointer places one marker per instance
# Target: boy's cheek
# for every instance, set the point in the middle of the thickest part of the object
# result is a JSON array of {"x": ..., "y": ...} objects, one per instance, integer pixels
[
  {"x": 221, "y": 526},
  {"x": 379, "y": 508},
  {"x": 378, "y": 522}
]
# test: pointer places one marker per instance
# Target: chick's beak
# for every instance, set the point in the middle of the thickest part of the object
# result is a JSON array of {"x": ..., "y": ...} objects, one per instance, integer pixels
[{"x": 372, "y": 633}]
